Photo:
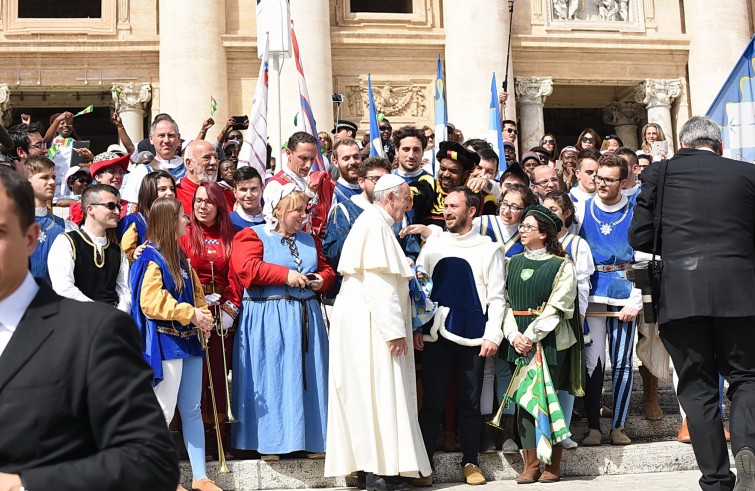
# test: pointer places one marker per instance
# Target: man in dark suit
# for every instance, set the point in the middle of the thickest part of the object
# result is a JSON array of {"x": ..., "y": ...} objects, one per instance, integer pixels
[
  {"x": 76, "y": 408},
  {"x": 707, "y": 303}
]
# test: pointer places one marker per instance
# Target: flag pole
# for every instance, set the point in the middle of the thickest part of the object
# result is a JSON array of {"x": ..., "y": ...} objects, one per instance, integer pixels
[
  {"x": 505, "y": 83},
  {"x": 278, "y": 60}
]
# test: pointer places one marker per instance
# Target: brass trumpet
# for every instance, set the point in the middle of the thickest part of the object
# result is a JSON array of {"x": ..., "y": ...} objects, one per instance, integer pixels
[
  {"x": 222, "y": 334},
  {"x": 221, "y": 454},
  {"x": 496, "y": 421}
]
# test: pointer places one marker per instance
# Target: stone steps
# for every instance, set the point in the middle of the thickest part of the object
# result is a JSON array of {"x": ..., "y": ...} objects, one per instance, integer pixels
[{"x": 252, "y": 475}]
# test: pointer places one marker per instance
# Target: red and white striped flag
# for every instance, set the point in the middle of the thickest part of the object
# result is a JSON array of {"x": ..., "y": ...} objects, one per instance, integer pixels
[
  {"x": 308, "y": 118},
  {"x": 254, "y": 148}
]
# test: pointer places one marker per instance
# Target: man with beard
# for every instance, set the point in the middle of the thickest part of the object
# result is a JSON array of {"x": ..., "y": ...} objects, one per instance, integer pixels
[
  {"x": 201, "y": 161},
  {"x": 613, "y": 302},
  {"x": 456, "y": 166},
  {"x": 347, "y": 158},
  {"x": 86, "y": 265},
  {"x": 467, "y": 270}
]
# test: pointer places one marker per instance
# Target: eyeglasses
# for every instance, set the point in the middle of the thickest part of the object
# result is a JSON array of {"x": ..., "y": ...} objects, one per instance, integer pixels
[
  {"x": 110, "y": 205},
  {"x": 385, "y": 128},
  {"x": 588, "y": 139},
  {"x": 39, "y": 145},
  {"x": 607, "y": 180},
  {"x": 526, "y": 227},
  {"x": 545, "y": 182},
  {"x": 511, "y": 130},
  {"x": 201, "y": 201},
  {"x": 373, "y": 179},
  {"x": 549, "y": 142},
  {"x": 513, "y": 208}
]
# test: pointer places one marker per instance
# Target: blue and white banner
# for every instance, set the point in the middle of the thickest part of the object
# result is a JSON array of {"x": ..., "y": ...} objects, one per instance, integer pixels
[{"x": 734, "y": 108}]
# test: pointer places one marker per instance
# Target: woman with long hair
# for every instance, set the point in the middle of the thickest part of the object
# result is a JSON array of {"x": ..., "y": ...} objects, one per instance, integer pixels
[
  {"x": 169, "y": 308},
  {"x": 207, "y": 244},
  {"x": 651, "y": 133},
  {"x": 280, "y": 354},
  {"x": 548, "y": 142},
  {"x": 589, "y": 138},
  {"x": 578, "y": 251},
  {"x": 132, "y": 229},
  {"x": 541, "y": 287}
]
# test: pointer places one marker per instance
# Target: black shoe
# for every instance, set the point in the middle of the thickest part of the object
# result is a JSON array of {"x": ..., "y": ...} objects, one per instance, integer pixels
[
  {"x": 745, "y": 462},
  {"x": 387, "y": 483},
  {"x": 361, "y": 480}
]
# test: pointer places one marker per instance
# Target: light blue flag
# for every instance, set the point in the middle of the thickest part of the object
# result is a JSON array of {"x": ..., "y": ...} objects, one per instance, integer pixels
[
  {"x": 495, "y": 133},
  {"x": 441, "y": 114},
  {"x": 734, "y": 108},
  {"x": 376, "y": 145}
]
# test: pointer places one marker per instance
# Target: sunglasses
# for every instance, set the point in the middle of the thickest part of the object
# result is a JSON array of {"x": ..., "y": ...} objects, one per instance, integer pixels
[
  {"x": 110, "y": 205},
  {"x": 588, "y": 139},
  {"x": 549, "y": 142},
  {"x": 430, "y": 136},
  {"x": 83, "y": 180},
  {"x": 511, "y": 130},
  {"x": 385, "y": 128}
]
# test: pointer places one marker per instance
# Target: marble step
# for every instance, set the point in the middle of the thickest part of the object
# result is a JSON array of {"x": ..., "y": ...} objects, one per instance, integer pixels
[{"x": 253, "y": 475}]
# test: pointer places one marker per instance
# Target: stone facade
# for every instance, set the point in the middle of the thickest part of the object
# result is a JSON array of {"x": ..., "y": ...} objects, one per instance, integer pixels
[{"x": 632, "y": 61}]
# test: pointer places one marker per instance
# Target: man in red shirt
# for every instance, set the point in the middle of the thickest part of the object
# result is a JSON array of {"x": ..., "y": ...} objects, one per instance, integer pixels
[{"x": 201, "y": 160}]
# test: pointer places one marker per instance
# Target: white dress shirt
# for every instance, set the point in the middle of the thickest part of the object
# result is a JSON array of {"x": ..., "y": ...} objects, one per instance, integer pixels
[
  {"x": 60, "y": 265},
  {"x": 13, "y": 308}
]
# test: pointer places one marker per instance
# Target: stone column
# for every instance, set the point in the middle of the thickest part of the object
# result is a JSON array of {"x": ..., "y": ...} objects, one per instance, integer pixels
[
  {"x": 716, "y": 43},
  {"x": 131, "y": 104},
  {"x": 531, "y": 93},
  {"x": 312, "y": 25},
  {"x": 483, "y": 45},
  {"x": 193, "y": 64},
  {"x": 5, "y": 109},
  {"x": 624, "y": 117},
  {"x": 658, "y": 96}
]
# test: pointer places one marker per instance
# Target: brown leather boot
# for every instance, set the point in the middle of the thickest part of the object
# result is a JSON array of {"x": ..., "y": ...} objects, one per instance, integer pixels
[
  {"x": 531, "y": 472},
  {"x": 653, "y": 411},
  {"x": 552, "y": 471}
]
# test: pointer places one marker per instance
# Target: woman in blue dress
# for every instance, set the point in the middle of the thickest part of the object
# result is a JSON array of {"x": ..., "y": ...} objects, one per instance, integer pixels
[
  {"x": 280, "y": 354},
  {"x": 170, "y": 311}
]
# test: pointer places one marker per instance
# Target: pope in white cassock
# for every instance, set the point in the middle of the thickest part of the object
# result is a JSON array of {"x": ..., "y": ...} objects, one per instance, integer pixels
[{"x": 372, "y": 399}]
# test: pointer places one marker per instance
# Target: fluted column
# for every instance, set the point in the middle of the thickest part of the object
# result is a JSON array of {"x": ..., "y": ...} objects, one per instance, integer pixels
[
  {"x": 531, "y": 93},
  {"x": 312, "y": 25},
  {"x": 477, "y": 34},
  {"x": 624, "y": 117},
  {"x": 193, "y": 63},
  {"x": 718, "y": 32},
  {"x": 131, "y": 101},
  {"x": 658, "y": 95},
  {"x": 5, "y": 109}
]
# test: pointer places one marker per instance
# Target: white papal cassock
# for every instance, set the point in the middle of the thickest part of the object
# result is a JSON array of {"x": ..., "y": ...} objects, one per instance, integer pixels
[{"x": 372, "y": 398}]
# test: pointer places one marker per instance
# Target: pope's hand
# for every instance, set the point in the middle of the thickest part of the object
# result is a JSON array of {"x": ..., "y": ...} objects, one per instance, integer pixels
[{"x": 397, "y": 347}]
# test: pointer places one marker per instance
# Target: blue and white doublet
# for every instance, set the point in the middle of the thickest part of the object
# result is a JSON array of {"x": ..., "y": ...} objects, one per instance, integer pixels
[
  {"x": 50, "y": 226},
  {"x": 605, "y": 229}
]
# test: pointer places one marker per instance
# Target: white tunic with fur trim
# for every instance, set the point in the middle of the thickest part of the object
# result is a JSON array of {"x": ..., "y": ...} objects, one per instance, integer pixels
[{"x": 468, "y": 285}]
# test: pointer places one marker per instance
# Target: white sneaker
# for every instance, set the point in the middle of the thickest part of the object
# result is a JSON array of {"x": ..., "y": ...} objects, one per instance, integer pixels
[{"x": 569, "y": 443}]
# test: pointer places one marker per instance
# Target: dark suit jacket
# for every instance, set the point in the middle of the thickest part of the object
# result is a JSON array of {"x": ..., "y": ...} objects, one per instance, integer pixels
[
  {"x": 76, "y": 408},
  {"x": 707, "y": 235}
]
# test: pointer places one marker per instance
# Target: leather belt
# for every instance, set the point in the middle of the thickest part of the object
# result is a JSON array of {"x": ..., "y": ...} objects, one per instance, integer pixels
[
  {"x": 523, "y": 313},
  {"x": 175, "y": 332},
  {"x": 607, "y": 268}
]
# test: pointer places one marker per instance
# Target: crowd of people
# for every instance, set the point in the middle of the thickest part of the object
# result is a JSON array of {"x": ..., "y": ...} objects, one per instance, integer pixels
[{"x": 371, "y": 312}]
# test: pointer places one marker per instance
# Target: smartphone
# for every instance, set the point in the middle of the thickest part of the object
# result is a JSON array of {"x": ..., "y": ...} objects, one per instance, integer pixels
[{"x": 240, "y": 122}]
